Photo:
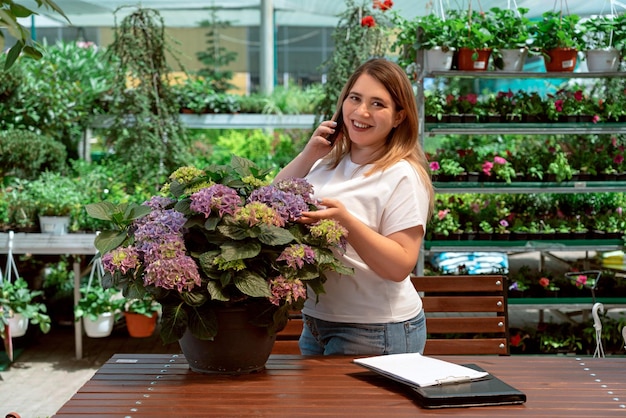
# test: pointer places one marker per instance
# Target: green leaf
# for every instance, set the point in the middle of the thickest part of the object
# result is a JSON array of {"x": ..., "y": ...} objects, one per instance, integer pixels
[
  {"x": 203, "y": 323},
  {"x": 108, "y": 240},
  {"x": 100, "y": 210},
  {"x": 273, "y": 235},
  {"x": 237, "y": 251},
  {"x": 252, "y": 284},
  {"x": 13, "y": 54},
  {"x": 216, "y": 292},
  {"x": 174, "y": 320}
]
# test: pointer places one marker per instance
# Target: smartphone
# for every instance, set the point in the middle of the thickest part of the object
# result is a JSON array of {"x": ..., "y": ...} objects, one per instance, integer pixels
[{"x": 332, "y": 137}]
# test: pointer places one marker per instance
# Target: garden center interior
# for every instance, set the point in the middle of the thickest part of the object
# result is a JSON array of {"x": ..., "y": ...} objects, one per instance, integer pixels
[{"x": 507, "y": 178}]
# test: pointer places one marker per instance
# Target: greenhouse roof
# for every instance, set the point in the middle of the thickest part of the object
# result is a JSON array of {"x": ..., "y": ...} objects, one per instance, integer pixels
[{"x": 189, "y": 13}]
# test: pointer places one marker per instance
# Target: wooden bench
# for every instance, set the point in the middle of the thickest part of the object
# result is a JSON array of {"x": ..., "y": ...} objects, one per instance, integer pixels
[{"x": 464, "y": 315}]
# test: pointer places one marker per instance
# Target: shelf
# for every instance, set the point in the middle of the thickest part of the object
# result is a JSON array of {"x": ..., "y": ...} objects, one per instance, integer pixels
[
  {"x": 522, "y": 74},
  {"x": 524, "y": 246},
  {"x": 524, "y": 128},
  {"x": 531, "y": 187},
  {"x": 231, "y": 121}
]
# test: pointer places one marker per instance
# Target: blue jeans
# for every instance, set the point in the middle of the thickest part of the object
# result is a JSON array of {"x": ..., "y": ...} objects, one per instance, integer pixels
[{"x": 336, "y": 338}]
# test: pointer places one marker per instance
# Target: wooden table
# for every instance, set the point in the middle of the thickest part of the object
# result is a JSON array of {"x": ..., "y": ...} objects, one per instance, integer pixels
[{"x": 155, "y": 385}]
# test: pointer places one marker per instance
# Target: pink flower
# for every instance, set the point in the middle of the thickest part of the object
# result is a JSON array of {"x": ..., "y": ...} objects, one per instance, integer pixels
[
  {"x": 442, "y": 214},
  {"x": 434, "y": 166},
  {"x": 487, "y": 166},
  {"x": 499, "y": 160},
  {"x": 595, "y": 119},
  {"x": 578, "y": 95},
  {"x": 581, "y": 281}
]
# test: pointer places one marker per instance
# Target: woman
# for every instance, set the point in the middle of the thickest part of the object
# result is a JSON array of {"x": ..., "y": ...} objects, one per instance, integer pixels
[{"x": 374, "y": 180}]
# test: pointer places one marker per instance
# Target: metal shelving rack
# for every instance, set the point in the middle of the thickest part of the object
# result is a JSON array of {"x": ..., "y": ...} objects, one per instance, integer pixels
[{"x": 430, "y": 129}]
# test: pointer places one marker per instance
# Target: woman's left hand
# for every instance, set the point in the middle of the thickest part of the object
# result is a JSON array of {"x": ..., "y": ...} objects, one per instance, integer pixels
[{"x": 328, "y": 209}]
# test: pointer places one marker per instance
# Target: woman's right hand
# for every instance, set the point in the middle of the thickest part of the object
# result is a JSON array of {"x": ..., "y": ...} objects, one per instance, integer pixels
[{"x": 318, "y": 146}]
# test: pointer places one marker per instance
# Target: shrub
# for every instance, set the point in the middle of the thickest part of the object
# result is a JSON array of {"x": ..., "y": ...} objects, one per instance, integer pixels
[{"x": 24, "y": 154}]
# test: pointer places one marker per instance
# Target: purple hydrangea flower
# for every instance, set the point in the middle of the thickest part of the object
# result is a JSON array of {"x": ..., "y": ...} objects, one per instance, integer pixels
[
  {"x": 218, "y": 197},
  {"x": 122, "y": 259},
  {"x": 159, "y": 202},
  {"x": 288, "y": 205},
  {"x": 297, "y": 186},
  {"x": 180, "y": 273},
  {"x": 287, "y": 290},
  {"x": 296, "y": 255},
  {"x": 158, "y": 224}
]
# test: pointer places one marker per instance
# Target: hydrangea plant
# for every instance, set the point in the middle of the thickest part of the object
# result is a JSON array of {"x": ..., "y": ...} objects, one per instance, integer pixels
[{"x": 216, "y": 237}]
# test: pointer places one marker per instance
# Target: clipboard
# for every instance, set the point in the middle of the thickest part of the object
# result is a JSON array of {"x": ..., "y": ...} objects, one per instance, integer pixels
[
  {"x": 417, "y": 370},
  {"x": 437, "y": 383},
  {"x": 490, "y": 391}
]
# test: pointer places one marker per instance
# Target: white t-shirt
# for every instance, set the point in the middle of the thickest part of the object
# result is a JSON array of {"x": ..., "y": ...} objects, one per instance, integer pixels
[{"x": 387, "y": 202}]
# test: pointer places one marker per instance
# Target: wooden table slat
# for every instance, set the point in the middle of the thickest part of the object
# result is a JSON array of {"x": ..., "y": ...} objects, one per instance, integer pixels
[{"x": 136, "y": 385}]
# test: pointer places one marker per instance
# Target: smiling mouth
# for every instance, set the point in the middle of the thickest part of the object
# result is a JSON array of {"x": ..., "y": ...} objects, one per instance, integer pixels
[{"x": 360, "y": 125}]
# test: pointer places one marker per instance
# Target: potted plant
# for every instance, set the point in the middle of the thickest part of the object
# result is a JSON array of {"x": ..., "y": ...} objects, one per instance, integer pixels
[
  {"x": 97, "y": 307},
  {"x": 427, "y": 34},
  {"x": 56, "y": 198},
  {"x": 471, "y": 33},
  {"x": 19, "y": 306},
  {"x": 511, "y": 35},
  {"x": 602, "y": 34},
  {"x": 557, "y": 37},
  {"x": 192, "y": 94},
  {"x": 141, "y": 316},
  {"x": 220, "y": 246}
]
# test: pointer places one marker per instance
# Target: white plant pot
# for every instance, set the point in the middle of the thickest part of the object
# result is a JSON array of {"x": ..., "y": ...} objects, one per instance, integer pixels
[
  {"x": 513, "y": 59},
  {"x": 602, "y": 60},
  {"x": 54, "y": 225},
  {"x": 101, "y": 327},
  {"x": 18, "y": 324},
  {"x": 437, "y": 60}
]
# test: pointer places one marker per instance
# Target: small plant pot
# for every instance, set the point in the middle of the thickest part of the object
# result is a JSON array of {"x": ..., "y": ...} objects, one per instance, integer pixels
[
  {"x": 54, "y": 225},
  {"x": 602, "y": 60},
  {"x": 437, "y": 60},
  {"x": 513, "y": 59},
  {"x": 466, "y": 63},
  {"x": 101, "y": 327},
  {"x": 18, "y": 325},
  {"x": 561, "y": 59},
  {"x": 139, "y": 325}
]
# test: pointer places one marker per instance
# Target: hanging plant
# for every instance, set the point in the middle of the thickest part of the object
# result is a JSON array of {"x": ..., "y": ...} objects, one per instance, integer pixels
[{"x": 146, "y": 132}]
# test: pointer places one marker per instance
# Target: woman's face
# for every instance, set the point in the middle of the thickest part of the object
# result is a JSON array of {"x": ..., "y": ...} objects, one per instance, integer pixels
[{"x": 369, "y": 113}]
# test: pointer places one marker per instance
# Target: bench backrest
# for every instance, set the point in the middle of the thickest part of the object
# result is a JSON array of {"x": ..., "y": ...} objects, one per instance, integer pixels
[{"x": 465, "y": 314}]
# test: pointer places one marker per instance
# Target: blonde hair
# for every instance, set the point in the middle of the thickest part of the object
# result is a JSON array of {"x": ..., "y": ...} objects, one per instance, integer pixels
[{"x": 402, "y": 143}]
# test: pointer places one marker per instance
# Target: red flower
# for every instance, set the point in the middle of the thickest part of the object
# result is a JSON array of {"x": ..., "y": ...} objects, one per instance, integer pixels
[
  {"x": 383, "y": 4},
  {"x": 368, "y": 21},
  {"x": 544, "y": 282},
  {"x": 558, "y": 105},
  {"x": 578, "y": 95},
  {"x": 516, "y": 340}
]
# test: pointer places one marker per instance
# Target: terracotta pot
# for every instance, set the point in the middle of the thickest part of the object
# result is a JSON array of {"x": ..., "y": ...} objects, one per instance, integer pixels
[
  {"x": 561, "y": 59},
  {"x": 139, "y": 325},
  {"x": 238, "y": 348},
  {"x": 466, "y": 63}
]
